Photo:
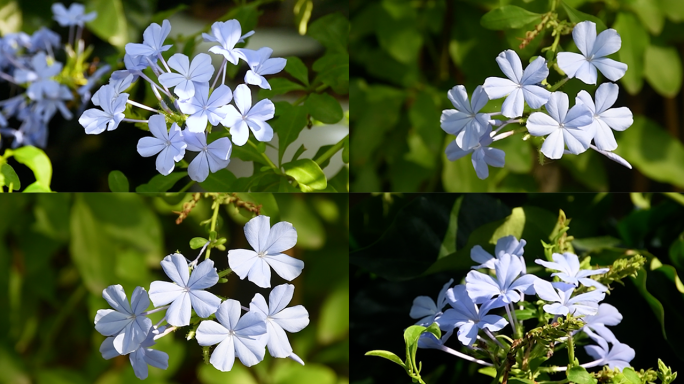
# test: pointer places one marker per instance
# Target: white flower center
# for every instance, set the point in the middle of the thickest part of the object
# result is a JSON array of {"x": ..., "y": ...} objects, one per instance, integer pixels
[{"x": 261, "y": 254}]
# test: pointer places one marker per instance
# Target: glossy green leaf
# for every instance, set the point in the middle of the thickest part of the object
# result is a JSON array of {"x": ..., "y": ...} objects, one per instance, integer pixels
[
  {"x": 296, "y": 68},
  {"x": 631, "y": 376},
  {"x": 287, "y": 124},
  {"x": 280, "y": 86},
  {"x": 197, "y": 242},
  {"x": 387, "y": 355},
  {"x": 508, "y": 17},
  {"x": 333, "y": 69},
  {"x": 578, "y": 17},
  {"x": 307, "y": 173},
  {"x": 117, "y": 182},
  {"x": 37, "y": 187},
  {"x": 579, "y": 375},
  {"x": 333, "y": 323},
  {"x": 635, "y": 40},
  {"x": 324, "y": 108},
  {"x": 110, "y": 24},
  {"x": 663, "y": 69},
  {"x": 9, "y": 178},
  {"x": 161, "y": 183},
  {"x": 650, "y": 13},
  {"x": 249, "y": 153},
  {"x": 37, "y": 161},
  {"x": 397, "y": 32},
  {"x": 221, "y": 181},
  {"x": 331, "y": 31}
]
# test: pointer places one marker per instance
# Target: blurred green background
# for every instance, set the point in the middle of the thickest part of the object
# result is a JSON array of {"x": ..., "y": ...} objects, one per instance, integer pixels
[
  {"x": 58, "y": 251},
  {"x": 408, "y": 245},
  {"x": 408, "y": 54}
]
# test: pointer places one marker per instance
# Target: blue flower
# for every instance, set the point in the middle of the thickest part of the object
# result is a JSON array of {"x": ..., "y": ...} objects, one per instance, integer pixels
[
  {"x": 563, "y": 127},
  {"x": 520, "y": 86},
  {"x": 606, "y": 315},
  {"x": 280, "y": 319},
  {"x": 188, "y": 290},
  {"x": 618, "y": 356},
  {"x": 202, "y": 107},
  {"x": 244, "y": 337},
  {"x": 268, "y": 243},
  {"x": 213, "y": 157},
  {"x": 507, "y": 244},
  {"x": 467, "y": 317},
  {"x": 482, "y": 154},
  {"x": 261, "y": 64},
  {"x": 189, "y": 76},
  {"x": 125, "y": 322},
  {"x": 141, "y": 357},
  {"x": 227, "y": 34},
  {"x": 96, "y": 121},
  {"x": 153, "y": 40},
  {"x": 604, "y": 117},
  {"x": 85, "y": 90},
  {"x": 465, "y": 121},
  {"x": 594, "y": 51},
  {"x": 569, "y": 266},
  {"x": 560, "y": 294},
  {"x": 169, "y": 144},
  {"x": 40, "y": 77},
  {"x": 249, "y": 117},
  {"x": 44, "y": 39},
  {"x": 75, "y": 15},
  {"x": 46, "y": 107},
  {"x": 508, "y": 283},
  {"x": 426, "y": 310}
]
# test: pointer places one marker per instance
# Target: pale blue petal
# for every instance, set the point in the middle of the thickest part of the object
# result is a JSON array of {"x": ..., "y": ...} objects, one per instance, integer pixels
[
  {"x": 110, "y": 322},
  {"x": 603, "y": 136},
  {"x": 553, "y": 145},
  {"x": 260, "y": 273},
  {"x": 467, "y": 334},
  {"x": 556, "y": 309},
  {"x": 139, "y": 300},
  {"x": 176, "y": 269},
  {"x": 198, "y": 169},
  {"x": 241, "y": 261},
  {"x": 606, "y": 43},
  {"x": 203, "y": 276},
  {"x": 279, "y": 298},
  {"x": 210, "y": 332},
  {"x": 162, "y": 292},
  {"x": 116, "y": 297},
  {"x": 497, "y": 87},
  {"x": 584, "y": 34},
  {"x": 618, "y": 119},
  {"x": 481, "y": 169},
  {"x": 107, "y": 349},
  {"x": 223, "y": 356},
  {"x": 510, "y": 65},
  {"x": 204, "y": 303},
  {"x": 281, "y": 237},
  {"x": 292, "y": 319},
  {"x": 571, "y": 62},
  {"x": 493, "y": 322},
  {"x": 157, "y": 359},
  {"x": 285, "y": 266},
  {"x": 250, "y": 351},
  {"x": 278, "y": 344},
  {"x": 481, "y": 287},
  {"x": 454, "y": 152},
  {"x": 514, "y": 104},
  {"x": 137, "y": 359},
  {"x": 535, "y": 95},
  {"x": 541, "y": 124},
  {"x": 545, "y": 291},
  {"x": 178, "y": 313},
  {"x": 587, "y": 72},
  {"x": 459, "y": 98},
  {"x": 229, "y": 313},
  {"x": 535, "y": 73}
]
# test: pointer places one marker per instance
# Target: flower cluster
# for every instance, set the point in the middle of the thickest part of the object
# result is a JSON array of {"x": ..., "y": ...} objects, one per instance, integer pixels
[
  {"x": 195, "y": 104},
  {"x": 46, "y": 85},
  {"x": 566, "y": 130},
  {"x": 470, "y": 307},
  {"x": 130, "y": 332}
]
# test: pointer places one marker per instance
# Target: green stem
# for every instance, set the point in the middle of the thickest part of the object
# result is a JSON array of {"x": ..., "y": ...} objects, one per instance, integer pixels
[
  {"x": 187, "y": 186},
  {"x": 270, "y": 163},
  {"x": 559, "y": 84},
  {"x": 300, "y": 100},
  {"x": 321, "y": 88},
  {"x": 330, "y": 152},
  {"x": 214, "y": 219},
  {"x": 571, "y": 350},
  {"x": 226, "y": 272}
]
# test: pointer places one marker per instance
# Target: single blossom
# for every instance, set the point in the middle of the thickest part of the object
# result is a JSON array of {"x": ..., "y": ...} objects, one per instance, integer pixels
[
  {"x": 75, "y": 15},
  {"x": 521, "y": 86},
  {"x": 604, "y": 117},
  {"x": 126, "y": 323},
  {"x": 482, "y": 155},
  {"x": 280, "y": 319},
  {"x": 44, "y": 39},
  {"x": 96, "y": 121},
  {"x": 247, "y": 117},
  {"x": 268, "y": 243},
  {"x": 141, "y": 357},
  {"x": 212, "y": 157},
  {"x": 260, "y": 64},
  {"x": 618, "y": 356},
  {"x": 508, "y": 284},
  {"x": 563, "y": 127},
  {"x": 153, "y": 40},
  {"x": 168, "y": 144},
  {"x": 569, "y": 266},
  {"x": 244, "y": 337},
  {"x": 40, "y": 77},
  {"x": 202, "y": 107},
  {"x": 507, "y": 244},
  {"x": 188, "y": 290},
  {"x": 227, "y": 34},
  {"x": 426, "y": 310},
  {"x": 594, "y": 51},
  {"x": 189, "y": 76},
  {"x": 563, "y": 303},
  {"x": 606, "y": 315},
  {"x": 465, "y": 121}
]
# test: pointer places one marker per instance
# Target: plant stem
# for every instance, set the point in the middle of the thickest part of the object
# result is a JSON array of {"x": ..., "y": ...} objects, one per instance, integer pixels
[
  {"x": 187, "y": 186},
  {"x": 300, "y": 100},
  {"x": 270, "y": 163},
  {"x": 214, "y": 219},
  {"x": 226, "y": 272},
  {"x": 330, "y": 152},
  {"x": 571, "y": 350},
  {"x": 510, "y": 319},
  {"x": 559, "y": 84}
]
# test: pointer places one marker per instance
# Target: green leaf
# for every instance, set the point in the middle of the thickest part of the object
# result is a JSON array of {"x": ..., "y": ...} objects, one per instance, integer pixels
[
  {"x": 9, "y": 178},
  {"x": 197, "y": 242},
  {"x": 324, "y": 108},
  {"x": 297, "y": 374},
  {"x": 345, "y": 151},
  {"x": 650, "y": 13},
  {"x": 37, "y": 161},
  {"x": 579, "y": 375},
  {"x": 333, "y": 69},
  {"x": 37, "y": 187},
  {"x": 518, "y": 380},
  {"x": 508, "y": 17},
  {"x": 160, "y": 16},
  {"x": 238, "y": 374},
  {"x": 161, "y": 183},
  {"x": 221, "y": 181},
  {"x": 648, "y": 147},
  {"x": 387, "y": 355},
  {"x": 449, "y": 242},
  {"x": 333, "y": 323},
  {"x": 249, "y": 153},
  {"x": 280, "y": 86},
  {"x": 288, "y": 123},
  {"x": 588, "y": 169},
  {"x": 663, "y": 69},
  {"x": 332, "y": 31},
  {"x": 631, "y": 375},
  {"x": 307, "y": 173},
  {"x": 117, "y": 181},
  {"x": 299, "y": 152},
  {"x": 675, "y": 9},
  {"x": 635, "y": 40},
  {"x": 110, "y": 24},
  {"x": 296, "y": 68},
  {"x": 578, "y": 17},
  {"x": 268, "y": 203}
]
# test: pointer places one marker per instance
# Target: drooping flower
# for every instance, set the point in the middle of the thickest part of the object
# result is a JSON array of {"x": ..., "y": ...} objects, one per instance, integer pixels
[
  {"x": 202, "y": 107},
  {"x": 594, "y": 51},
  {"x": 96, "y": 121},
  {"x": 189, "y": 76},
  {"x": 606, "y": 315},
  {"x": 482, "y": 155},
  {"x": 126, "y": 323},
  {"x": 227, "y": 34},
  {"x": 249, "y": 117},
  {"x": 508, "y": 284},
  {"x": 426, "y": 310},
  {"x": 618, "y": 356},
  {"x": 260, "y": 64},
  {"x": 153, "y": 41},
  {"x": 563, "y": 127},
  {"x": 569, "y": 266},
  {"x": 75, "y": 15},
  {"x": 212, "y": 157},
  {"x": 268, "y": 243},
  {"x": 604, "y": 117},
  {"x": 465, "y": 121},
  {"x": 560, "y": 294},
  {"x": 188, "y": 290},
  {"x": 141, "y": 357},
  {"x": 280, "y": 319},
  {"x": 168, "y": 144},
  {"x": 507, "y": 244},
  {"x": 244, "y": 337},
  {"x": 521, "y": 86}
]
